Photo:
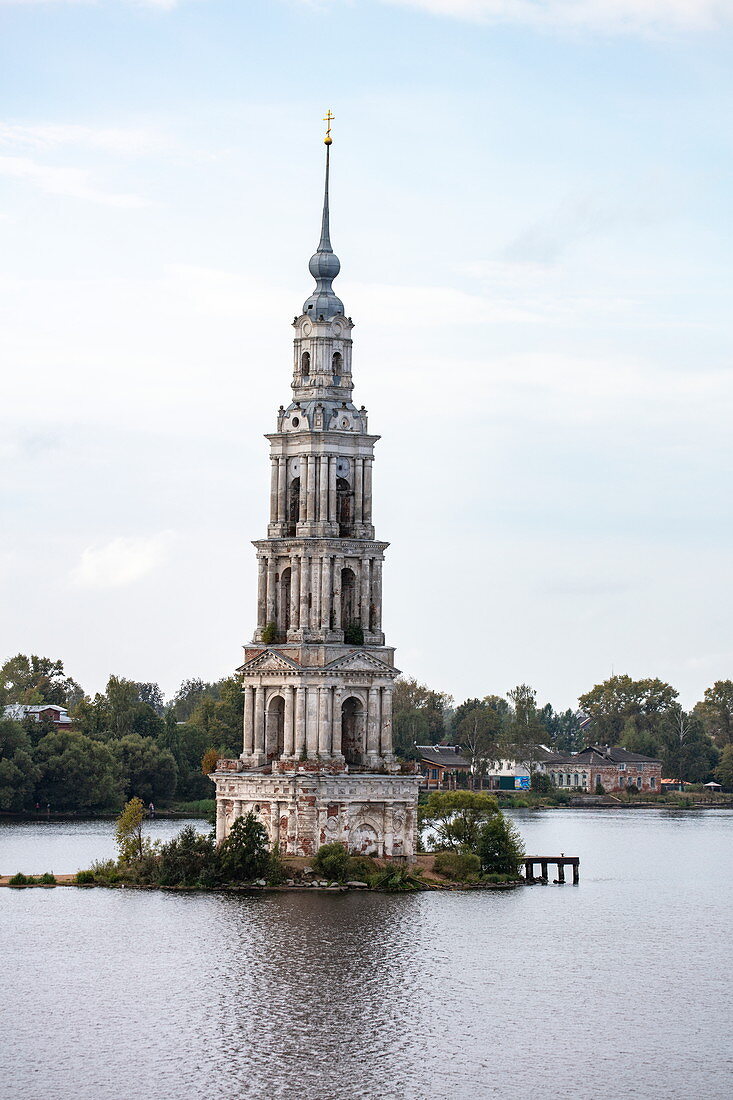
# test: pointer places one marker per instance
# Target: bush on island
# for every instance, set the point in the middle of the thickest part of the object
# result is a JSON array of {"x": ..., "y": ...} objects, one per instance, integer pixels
[
  {"x": 456, "y": 817},
  {"x": 458, "y": 866},
  {"x": 500, "y": 847},
  {"x": 332, "y": 861},
  {"x": 245, "y": 854}
]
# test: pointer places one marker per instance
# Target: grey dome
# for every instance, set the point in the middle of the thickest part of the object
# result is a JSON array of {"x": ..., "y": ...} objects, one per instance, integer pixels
[{"x": 324, "y": 266}]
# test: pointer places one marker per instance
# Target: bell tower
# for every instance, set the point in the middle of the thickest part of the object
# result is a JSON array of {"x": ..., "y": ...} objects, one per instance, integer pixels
[{"x": 318, "y": 677}]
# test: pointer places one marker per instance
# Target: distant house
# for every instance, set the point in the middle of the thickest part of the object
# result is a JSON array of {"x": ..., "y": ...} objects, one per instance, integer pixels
[
  {"x": 441, "y": 764},
  {"x": 615, "y": 768},
  {"x": 58, "y": 715}
]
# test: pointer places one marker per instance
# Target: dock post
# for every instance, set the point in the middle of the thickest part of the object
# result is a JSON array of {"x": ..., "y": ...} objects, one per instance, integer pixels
[
  {"x": 576, "y": 872},
  {"x": 561, "y": 871},
  {"x": 543, "y": 866}
]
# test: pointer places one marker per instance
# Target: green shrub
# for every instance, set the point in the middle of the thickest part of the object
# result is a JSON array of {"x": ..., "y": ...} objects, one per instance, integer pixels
[
  {"x": 458, "y": 866},
  {"x": 560, "y": 798},
  {"x": 332, "y": 861},
  {"x": 245, "y": 854},
  {"x": 396, "y": 879},
  {"x": 500, "y": 847},
  {"x": 21, "y": 880},
  {"x": 105, "y": 871},
  {"x": 541, "y": 783},
  {"x": 362, "y": 868},
  {"x": 189, "y": 859},
  {"x": 48, "y": 879},
  {"x": 269, "y": 633},
  {"x": 84, "y": 878},
  {"x": 498, "y": 878},
  {"x": 277, "y": 872}
]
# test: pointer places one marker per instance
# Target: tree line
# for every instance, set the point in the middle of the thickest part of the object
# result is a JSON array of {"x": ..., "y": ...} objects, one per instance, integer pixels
[
  {"x": 642, "y": 716},
  {"x": 124, "y": 742},
  {"x": 128, "y": 741}
]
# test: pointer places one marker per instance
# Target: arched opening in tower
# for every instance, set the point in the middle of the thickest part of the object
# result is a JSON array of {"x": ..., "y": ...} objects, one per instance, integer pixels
[
  {"x": 275, "y": 728},
  {"x": 305, "y": 364},
  {"x": 352, "y": 730},
  {"x": 344, "y": 507},
  {"x": 348, "y": 598},
  {"x": 337, "y": 365},
  {"x": 283, "y": 611},
  {"x": 293, "y": 506}
]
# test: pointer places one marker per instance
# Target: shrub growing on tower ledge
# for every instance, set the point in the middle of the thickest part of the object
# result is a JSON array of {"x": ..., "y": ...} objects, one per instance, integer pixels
[
  {"x": 353, "y": 634},
  {"x": 269, "y": 633}
]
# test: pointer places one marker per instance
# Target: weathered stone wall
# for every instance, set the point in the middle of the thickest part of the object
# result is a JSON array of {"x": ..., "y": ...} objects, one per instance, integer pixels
[{"x": 370, "y": 814}]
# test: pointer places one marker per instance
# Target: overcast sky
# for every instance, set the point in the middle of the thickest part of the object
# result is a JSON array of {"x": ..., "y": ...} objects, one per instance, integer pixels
[{"x": 531, "y": 203}]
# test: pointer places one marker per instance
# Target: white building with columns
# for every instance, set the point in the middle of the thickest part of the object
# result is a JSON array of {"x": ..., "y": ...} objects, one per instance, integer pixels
[{"x": 317, "y": 763}]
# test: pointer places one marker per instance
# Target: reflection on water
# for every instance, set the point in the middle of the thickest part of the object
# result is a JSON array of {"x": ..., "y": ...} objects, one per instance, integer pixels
[{"x": 618, "y": 987}]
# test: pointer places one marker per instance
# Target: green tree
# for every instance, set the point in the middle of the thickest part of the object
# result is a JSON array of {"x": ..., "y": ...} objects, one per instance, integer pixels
[
  {"x": 145, "y": 769},
  {"x": 479, "y": 730},
  {"x": 563, "y": 729},
  {"x": 189, "y": 694},
  {"x": 619, "y": 699},
  {"x": 418, "y": 715},
  {"x": 500, "y": 847},
  {"x": 686, "y": 750},
  {"x": 455, "y": 817},
  {"x": 129, "y": 839},
  {"x": 189, "y": 859},
  {"x": 724, "y": 770},
  {"x": 34, "y": 680},
  {"x": 76, "y": 773},
  {"x": 716, "y": 712},
  {"x": 245, "y": 853},
  {"x": 18, "y": 773},
  {"x": 525, "y": 731}
]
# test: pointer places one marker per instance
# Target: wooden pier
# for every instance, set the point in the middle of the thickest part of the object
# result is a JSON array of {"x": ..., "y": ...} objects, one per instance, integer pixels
[{"x": 561, "y": 862}]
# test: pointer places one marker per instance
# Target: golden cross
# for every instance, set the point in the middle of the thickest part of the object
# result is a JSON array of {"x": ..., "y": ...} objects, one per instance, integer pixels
[{"x": 328, "y": 117}]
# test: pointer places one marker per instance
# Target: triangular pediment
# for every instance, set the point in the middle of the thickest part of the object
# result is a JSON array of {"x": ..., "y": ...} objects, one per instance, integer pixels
[
  {"x": 361, "y": 662},
  {"x": 269, "y": 661}
]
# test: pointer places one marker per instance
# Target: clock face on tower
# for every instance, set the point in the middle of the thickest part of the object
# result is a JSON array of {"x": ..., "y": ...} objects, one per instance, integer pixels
[{"x": 342, "y": 467}]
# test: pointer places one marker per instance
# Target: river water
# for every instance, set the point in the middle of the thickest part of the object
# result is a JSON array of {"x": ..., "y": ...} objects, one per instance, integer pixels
[{"x": 620, "y": 986}]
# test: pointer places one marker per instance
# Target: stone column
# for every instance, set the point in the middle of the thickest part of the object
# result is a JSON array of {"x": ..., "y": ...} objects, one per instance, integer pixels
[
  {"x": 388, "y": 829},
  {"x": 323, "y": 489},
  {"x": 324, "y": 722},
  {"x": 304, "y": 589},
  {"x": 372, "y": 745},
  {"x": 332, "y": 489},
  {"x": 271, "y": 591},
  {"x": 261, "y": 591},
  {"x": 368, "y": 490},
  {"x": 289, "y": 729},
  {"x": 303, "y": 495},
  {"x": 294, "y": 592},
  {"x": 386, "y": 738},
  {"x": 336, "y": 722},
  {"x": 338, "y": 564},
  {"x": 275, "y": 825},
  {"x": 377, "y": 593},
  {"x": 311, "y": 507},
  {"x": 326, "y": 593},
  {"x": 299, "y": 721},
  {"x": 259, "y": 722},
  {"x": 221, "y": 820},
  {"x": 311, "y": 725},
  {"x": 358, "y": 490},
  {"x": 282, "y": 485},
  {"x": 315, "y": 593},
  {"x": 366, "y": 580},
  {"x": 273, "y": 490},
  {"x": 249, "y": 744}
]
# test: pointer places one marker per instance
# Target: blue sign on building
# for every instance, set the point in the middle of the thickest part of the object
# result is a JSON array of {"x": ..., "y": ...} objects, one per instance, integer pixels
[{"x": 521, "y": 782}]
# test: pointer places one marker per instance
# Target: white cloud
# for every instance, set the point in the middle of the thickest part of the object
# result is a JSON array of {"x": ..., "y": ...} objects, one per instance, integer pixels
[
  {"x": 72, "y": 182},
  {"x": 45, "y": 136},
  {"x": 121, "y": 561},
  {"x": 615, "y": 15}
]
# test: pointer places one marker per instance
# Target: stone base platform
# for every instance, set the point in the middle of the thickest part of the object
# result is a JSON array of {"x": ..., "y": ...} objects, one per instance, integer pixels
[{"x": 301, "y": 810}]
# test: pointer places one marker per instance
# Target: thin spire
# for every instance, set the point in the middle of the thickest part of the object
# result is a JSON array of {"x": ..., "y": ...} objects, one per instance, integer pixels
[
  {"x": 324, "y": 265},
  {"x": 324, "y": 245}
]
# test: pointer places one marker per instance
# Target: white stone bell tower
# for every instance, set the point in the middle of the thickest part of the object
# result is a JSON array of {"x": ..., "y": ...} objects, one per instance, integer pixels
[{"x": 318, "y": 677}]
